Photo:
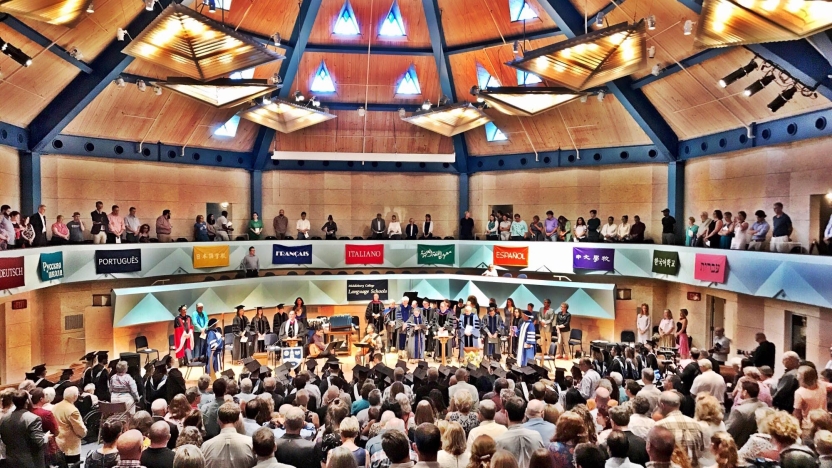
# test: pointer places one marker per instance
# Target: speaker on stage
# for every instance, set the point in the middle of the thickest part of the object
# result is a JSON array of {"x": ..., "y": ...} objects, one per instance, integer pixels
[{"x": 133, "y": 359}]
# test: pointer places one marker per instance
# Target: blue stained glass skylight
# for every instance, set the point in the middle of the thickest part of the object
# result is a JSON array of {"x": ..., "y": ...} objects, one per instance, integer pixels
[
  {"x": 322, "y": 83},
  {"x": 346, "y": 24},
  {"x": 228, "y": 129},
  {"x": 520, "y": 10},
  {"x": 484, "y": 79},
  {"x": 409, "y": 84},
  {"x": 526, "y": 78},
  {"x": 392, "y": 26},
  {"x": 243, "y": 74},
  {"x": 492, "y": 133}
]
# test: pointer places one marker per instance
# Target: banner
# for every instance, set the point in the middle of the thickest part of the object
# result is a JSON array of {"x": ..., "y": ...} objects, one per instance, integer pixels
[
  {"x": 211, "y": 256},
  {"x": 118, "y": 261},
  {"x": 362, "y": 254},
  {"x": 665, "y": 263},
  {"x": 292, "y": 255},
  {"x": 11, "y": 273},
  {"x": 511, "y": 256},
  {"x": 363, "y": 290},
  {"x": 593, "y": 259},
  {"x": 436, "y": 254},
  {"x": 710, "y": 268},
  {"x": 51, "y": 266}
]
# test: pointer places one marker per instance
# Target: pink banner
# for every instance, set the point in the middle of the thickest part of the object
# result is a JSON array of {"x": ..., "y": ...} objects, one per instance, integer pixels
[{"x": 710, "y": 268}]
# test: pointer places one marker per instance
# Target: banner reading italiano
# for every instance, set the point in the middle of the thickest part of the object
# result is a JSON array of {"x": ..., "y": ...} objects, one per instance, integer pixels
[
  {"x": 436, "y": 254},
  {"x": 665, "y": 263},
  {"x": 211, "y": 256},
  {"x": 51, "y": 266},
  {"x": 593, "y": 259}
]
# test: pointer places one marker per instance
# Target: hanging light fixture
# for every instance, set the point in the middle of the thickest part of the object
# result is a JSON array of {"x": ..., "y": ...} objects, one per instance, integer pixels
[
  {"x": 525, "y": 101},
  {"x": 758, "y": 85},
  {"x": 782, "y": 99},
  {"x": 738, "y": 73},
  {"x": 59, "y": 12},
  {"x": 449, "y": 120},
  {"x": 285, "y": 116},
  {"x": 739, "y": 22},
  {"x": 15, "y": 54},
  {"x": 590, "y": 60},
  {"x": 187, "y": 42},
  {"x": 221, "y": 93}
]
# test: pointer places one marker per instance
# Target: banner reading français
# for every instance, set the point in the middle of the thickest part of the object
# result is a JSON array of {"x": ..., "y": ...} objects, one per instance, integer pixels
[
  {"x": 511, "y": 256},
  {"x": 211, "y": 256},
  {"x": 118, "y": 261},
  {"x": 665, "y": 262},
  {"x": 364, "y": 254},
  {"x": 12, "y": 273},
  {"x": 436, "y": 254},
  {"x": 51, "y": 266},
  {"x": 292, "y": 255},
  {"x": 710, "y": 268},
  {"x": 593, "y": 259}
]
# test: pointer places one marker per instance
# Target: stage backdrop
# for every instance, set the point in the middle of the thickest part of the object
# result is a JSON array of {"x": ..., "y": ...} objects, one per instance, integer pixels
[{"x": 134, "y": 306}]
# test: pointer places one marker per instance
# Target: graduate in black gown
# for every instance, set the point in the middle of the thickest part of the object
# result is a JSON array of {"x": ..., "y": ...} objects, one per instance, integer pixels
[
  {"x": 101, "y": 377},
  {"x": 492, "y": 328},
  {"x": 240, "y": 328},
  {"x": 175, "y": 385},
  {"x": 260, "y": 327},
  {"x": 63, "y": 383},
  {"x": 39, "y": 374},
  {"x": 279, "y": 317},
  {"x": 157, "y": 384},
  {"x": 87, "y": 376}
]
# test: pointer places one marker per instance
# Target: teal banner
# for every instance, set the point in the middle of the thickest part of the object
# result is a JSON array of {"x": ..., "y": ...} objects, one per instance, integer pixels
[
  {"x": 436, "y": 254},
  {"x": 665, "y": 263},
  {"x": 51, "y": 266}
]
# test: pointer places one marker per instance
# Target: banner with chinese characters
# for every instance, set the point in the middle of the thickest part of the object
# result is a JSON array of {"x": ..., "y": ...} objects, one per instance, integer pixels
[
  {"x": 710, "y": 268},
  {"x": 593, "y": 259},
  {"x": 210, "y": 256},
  {"x": 361, "y": 254},
  {"x": 511, "y": 256},
  {"x": 51, "y": 266},
  {"x": 292, "y": 254},
  {"x": 436, "y": 254},
  {"x": 665, "y": 263}
]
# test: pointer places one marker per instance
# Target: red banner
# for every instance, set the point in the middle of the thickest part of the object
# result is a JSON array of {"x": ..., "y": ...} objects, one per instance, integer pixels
[
  {"x": 361, "y": 254},
  {"x": 11, "y": 273},
  {"x": 511, "y": 256},
  {"x": 710, "y": 268}
]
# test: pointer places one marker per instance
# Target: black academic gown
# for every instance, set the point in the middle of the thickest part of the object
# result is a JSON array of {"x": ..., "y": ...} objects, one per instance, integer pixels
[
  {"x": 101, "y": 379},
  {"x": 240, "y": 328}
]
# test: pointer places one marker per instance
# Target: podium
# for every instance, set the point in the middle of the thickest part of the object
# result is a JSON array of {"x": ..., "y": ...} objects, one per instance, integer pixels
[{"x": 442, "y": 341}]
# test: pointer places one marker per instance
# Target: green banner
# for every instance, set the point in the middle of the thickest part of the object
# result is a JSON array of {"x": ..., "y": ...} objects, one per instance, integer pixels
[
  {"x": 665, "y": 263},
  {"x": 436, "y": 254},
  {"x": 51, "y": 266}
]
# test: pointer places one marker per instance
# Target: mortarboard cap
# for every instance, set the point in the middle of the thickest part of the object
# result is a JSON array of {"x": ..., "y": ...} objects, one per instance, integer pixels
[
  {"x": 88, "y": 357},
  {"x": 311, "y": 364},
  {"x": 500, "y": 372},
  {"x": 476, "y": 373},
  {"x": 212, "y": 323},
  {"x": 420, "y": 374},
  {"x": 240, "y": 307},
  {"x": 30, "y": 376},
  {"x": 333, "y": 362},
  {"x": 66, "y": 374},
  {"x": 228, "y": 373},
  {"x": 541, "y": 371},
  {"x": 510, "y": 361},
  {"x": 112, "y": 364},
  {"x": 402, "y": 364},
  {"x": 383, "y": 370},
  {"x": 408, "y": 378},
  {"x": 39, "y": 368},
  {"x": 253, "y": 366},
  {"x": 494, "y": 364},
  {"x": 102, "y": 354},
  {"x": 161, "y": 365},
  {"x": 360, "y": 369},
  {"x": 280, "y": 306},
  {"x": 422, "y": 364},
  {"x": 283, "y": 368},
  {"x": 445, "y": 370},
  {"x": 470, "y": 367},
  {"x": 265, "y": 371}
]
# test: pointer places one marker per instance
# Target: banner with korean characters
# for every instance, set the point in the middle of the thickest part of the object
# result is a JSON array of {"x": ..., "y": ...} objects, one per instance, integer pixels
[{"x": 665, "y": 263}]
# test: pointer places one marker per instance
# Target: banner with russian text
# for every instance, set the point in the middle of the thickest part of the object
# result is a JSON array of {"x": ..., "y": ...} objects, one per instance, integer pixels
[
  {"x": 665, "y": 262},
  {"x": 710, "y": 268},
  {"x": 118, "y": 261},
  {"x": 51, "y": 266},
  {"x": 436, "y": 254},
  {"x": 362, "y": 254},
  {"x": 593, "y": 259},
  {"x": 292, "y": 255},
  {"x": 211, "y": 256},
  {"x": 12, "y": 273},
  {"x": 511, "y": 256}
]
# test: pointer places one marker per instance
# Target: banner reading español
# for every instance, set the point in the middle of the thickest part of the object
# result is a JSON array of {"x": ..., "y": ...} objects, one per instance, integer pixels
[
  {"x": 511, "y": 256},
  {"x": 51, "y": 266},
  {"x": 118, "y": 261},
  {"x": 436, "y": 254},
  {"x": 593, "y": 259},
  {"x": 292, "y": 255},
  {"x": 12, "y": 273},
  {"x": 211, "y": 256},
  {"x": 372, "y": 254}
]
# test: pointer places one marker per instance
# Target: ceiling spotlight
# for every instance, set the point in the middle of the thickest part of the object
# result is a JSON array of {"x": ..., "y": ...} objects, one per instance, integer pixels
[
  {"x": 299, "y": 96},
  {"x": 266, "y": 100},
  {"x": 276, "y": 38},
  {"x": 426, "y": 105},
  {"x": 657, "y": 70},
  {"x": 651, "y": 51},
  {"x": 76, "y": 54},
  {"x": 314, "y": 101},
  {"x": 758, "y": 85},
  {"x": 688, "y": 27},
  {"x": 148, "y": 4},
  {"x": 90, "y": 8},
  {"x": 141, "y": 85},
  {"x": 120, "y": 82},
  {"x": 651, "y": 22},
  {"x": 120, "y": 33},
  {"x": 362, "y": 111},
  {"x": 157, "y": 90},
  {"x": 16, "y": 54},
  {"x": 599, "y": 19},
  {"x": 515, "y": 48},
  {"x": 738, "y": 73},
  {"x": 601, "y": 95},
  {"x": 444, "y": 100},
  {"x": 782, "y": 99},
  {"x": 276, "y": 79},
  {"x": 584, "y": 97},
  {"x": 402, "y": 113}
]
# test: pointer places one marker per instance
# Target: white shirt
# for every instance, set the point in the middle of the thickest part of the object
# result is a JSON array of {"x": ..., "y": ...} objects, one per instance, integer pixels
[
  {"x": 520, "y": 442},
  {"x": 725, "y": 344},
  {"x": 609, "y": 230},
  {"x": 132, "y": 223},
  {"x": 589, "y": 383},
  {"x": 475, "y": 396},
  {"x": 221, "y": 221},
  {"x": 620, "y": 463},
  {"x": 489, "y": 273},
  {"x": 446, "y": 460},
  {"x": 640, "y": 425},
  {"x": 394, "y": 228},
  {"x": 489, "y": 428},
  {"x": 623, "y": 230},
  {"x": 302, "y": 225},
  {"x": 709, "y": 382}
]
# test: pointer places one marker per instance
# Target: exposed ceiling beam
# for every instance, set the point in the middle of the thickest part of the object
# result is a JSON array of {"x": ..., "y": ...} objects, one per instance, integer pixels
[
  {"x": 371, "y": 107},
  {"x": 823, "y": 44},
  {"x": 507, "y": 41},
  {"x": 375, "y": 50},
  {"x": 43, "y": 41},
  {"x": 566, "y": 16},
  {"x": 85, "y": 87},
  {"x": 694, "y": 59}
]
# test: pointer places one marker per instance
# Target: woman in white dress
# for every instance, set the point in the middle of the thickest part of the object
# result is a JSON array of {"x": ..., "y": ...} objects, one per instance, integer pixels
[
  {"x": 644, "y": 324},
  {"x": 667, "y": 330},
  {"x": 740, "y": 240},
  {"x": 394, "y": 229}
]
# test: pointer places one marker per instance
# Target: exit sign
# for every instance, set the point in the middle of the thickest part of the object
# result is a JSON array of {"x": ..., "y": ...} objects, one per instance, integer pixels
[{"x": 20, "y": 304}]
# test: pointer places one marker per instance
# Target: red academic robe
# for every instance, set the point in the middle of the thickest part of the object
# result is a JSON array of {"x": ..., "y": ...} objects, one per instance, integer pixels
[{"x": 181, "y": 326}]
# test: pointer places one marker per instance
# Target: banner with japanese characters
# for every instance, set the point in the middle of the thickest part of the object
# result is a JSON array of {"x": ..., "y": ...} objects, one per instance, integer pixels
[
  {"x": 210, "y": 256},
  {"x": 665, "y": 263},
  {"x": 593, "y": 259}
]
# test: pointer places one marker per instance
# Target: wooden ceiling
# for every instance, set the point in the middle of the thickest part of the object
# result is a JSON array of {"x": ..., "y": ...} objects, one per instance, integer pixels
[{"x": 689, "y": 100}]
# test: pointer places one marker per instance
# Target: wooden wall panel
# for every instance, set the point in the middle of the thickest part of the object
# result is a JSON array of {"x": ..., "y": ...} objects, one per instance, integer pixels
[
  {"x": 470, "y": 21},
  {"x": 370, "y": 14},
  {"x": 349, "y": 72},
  {"x": 10, "y": 174},
  {"x": 263, "y": 17},
  {"x": 385, "y": 133}
]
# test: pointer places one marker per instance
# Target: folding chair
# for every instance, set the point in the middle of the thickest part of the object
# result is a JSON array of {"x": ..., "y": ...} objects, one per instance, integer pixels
[{"x": 143, "y": 348}]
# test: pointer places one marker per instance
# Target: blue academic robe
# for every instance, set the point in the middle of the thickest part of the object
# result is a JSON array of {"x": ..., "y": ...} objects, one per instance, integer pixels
[
  {"x": 469, "y": 340},
  {"x": 213, "y": 339},
  {"x": 415, "y": 339},
  {"x": 402, "y": 316},
  {"x": 525, "y": 336}
]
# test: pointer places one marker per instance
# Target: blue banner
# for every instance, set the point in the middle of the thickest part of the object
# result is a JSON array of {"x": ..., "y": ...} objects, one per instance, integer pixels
[
  {"x": 118, "y": 261},
  {"x": 593, "y": 259},
  {"x": 291, "y": 255},
  {"x": 51, "y": 266}
]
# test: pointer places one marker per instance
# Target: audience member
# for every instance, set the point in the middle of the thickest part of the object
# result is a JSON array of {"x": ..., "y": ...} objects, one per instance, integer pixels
[
  {"x": 105, "y": 456},
  {"x": 518, "y": 440},
  {"x": 129, "y": 446},
  {"x": 71, "y": 428},
  {"x": 229, "y": 449},
  {"x": 291, "y": 448},
  {"x": 158, "y": 455},
  {"x": 22, "y": 433}
]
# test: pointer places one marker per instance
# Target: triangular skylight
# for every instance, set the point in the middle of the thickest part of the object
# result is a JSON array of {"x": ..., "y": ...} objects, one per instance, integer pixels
[
  {"x": 526, "y": 78},
  {"x": 322, "y": 83},
  {"x": 492, "y": 133},
  {"x": 484, "y": 79},
  {"x": 392, "y": 26},
  {"x": 346, "y": 24},
  {"x": 409, "y": 84},
  {"x": 520, "y": 10},
  {"x": 228, "y": 129},
  {"x": 243, "y": 74}
]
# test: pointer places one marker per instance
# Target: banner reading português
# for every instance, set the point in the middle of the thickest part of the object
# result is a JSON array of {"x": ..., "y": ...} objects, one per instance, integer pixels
[
  {"x": 593, "y": 259},
  {"x": 436, "y": 254},
  {"x": 211, "y": 256},
  {"x": 361, "y": 254},
  {"x": 511, "y": 256},
  {"x": 118, "y": 261},
  {"x": 665, "y": 263}
]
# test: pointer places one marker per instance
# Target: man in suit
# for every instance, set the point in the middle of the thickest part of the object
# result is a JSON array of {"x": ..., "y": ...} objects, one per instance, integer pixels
[
  {"x": 411, "y": 230},
  {"x": 690, "y": 372},
  {"x": 22, "y": 432},
  {"x": 783, "y": 398},
  {"x": 378, "y": 227},
  {"x": 229, "y": 449},
  {"x": 763, "y": 355},
  {"x": 38, "y": 221},
  {"x": 293, "y": 328},
  {"x": 742, "y": 421},
  {"x": 291, "y": 448}
]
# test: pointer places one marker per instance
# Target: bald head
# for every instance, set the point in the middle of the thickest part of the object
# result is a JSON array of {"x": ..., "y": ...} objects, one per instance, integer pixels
[
  {"x": 535, "y": 409},
  {"x": 660, "y": 444},
  {"x": 159, "y": 434},
  {"x": 669, "y": 401},
  {"x": 129, "y": 445}
]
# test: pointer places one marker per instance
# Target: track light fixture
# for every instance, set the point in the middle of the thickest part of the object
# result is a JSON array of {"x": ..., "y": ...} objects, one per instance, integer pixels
[
  {"x": 120, "y": 83},
  {"x": 148, "y": 4},
  {"x": 120, "y": 33},
  {"x": 657, "y": 70},
  {"x": 276, "y": 38},
  {"x": 157, "y": 90},
  {"x": 688, "y": 27},
  {"x": 90, "y": 8},
  {"x": 141, "y": 85},
  {"x": 275, "y": 79},
  {"x": 402, "y": 113},
  {"x": 362, "y": 111},
  {"x": 76, "y": 54},
  {"x": 426, "y": 105},
  {"x": 782, "y": 99},
  {"x": 15, "y": 54},
  {"x": 314, "y": 102},
  {"x": 758, "y": 85},
  {"x": 444, "y": 100},
  {"x": 599, "y": 19},
  {"x": 601, "y": 95},
  {"x": 651, "y": 22},
  {"x": 266, "y": 100},
  {"x": 299, "y": 96},
  {"x": 584, "y": 98},
  {"x": 738, "y": 73}
]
